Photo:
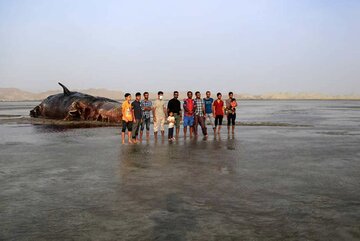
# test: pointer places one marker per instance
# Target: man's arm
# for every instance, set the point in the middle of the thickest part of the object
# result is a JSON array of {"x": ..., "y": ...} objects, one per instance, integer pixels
[
  {"x": 149, "y": 108},
  {"x": 153, "y": 111},
  {"x": 184, "y": 106},
  {"x": 194, "y": 108},
  {"x": 168, "y": 106},
  {"x": 165, "y": 112},
  {"x": 133, "y": 113},
  {"x": 203, "y": 108}
]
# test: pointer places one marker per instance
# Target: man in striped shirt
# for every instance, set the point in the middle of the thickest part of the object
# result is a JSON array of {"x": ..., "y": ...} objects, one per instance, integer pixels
[{"x": 199, "y": 114}]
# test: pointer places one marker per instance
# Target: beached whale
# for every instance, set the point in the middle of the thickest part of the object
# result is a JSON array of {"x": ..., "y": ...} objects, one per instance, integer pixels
[{"x": 71, "y": 105}]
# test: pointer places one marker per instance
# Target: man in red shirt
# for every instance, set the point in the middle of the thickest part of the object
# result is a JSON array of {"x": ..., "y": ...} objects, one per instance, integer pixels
[
  {"x": 189, "y": 107},
  {"x": 218, "y": 112}
]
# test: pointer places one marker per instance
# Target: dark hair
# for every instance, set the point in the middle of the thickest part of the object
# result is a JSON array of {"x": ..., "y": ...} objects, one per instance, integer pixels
[
  {"x": 233, "y": 99},
  {"x": 160, "y": 93},
  {"x": 189, "y": 92},
  {"x": 127, "y": 94},
  {"x": 231, "y": 93},
  {"x": 138, "y": 94},
  {"x": 208, "y": 91},
  {"x": 146, "y": 93},
  {"x": 176, "y": 92},
  {"x": 218, "y": 94},
  {"x": 197, "y": 92}
]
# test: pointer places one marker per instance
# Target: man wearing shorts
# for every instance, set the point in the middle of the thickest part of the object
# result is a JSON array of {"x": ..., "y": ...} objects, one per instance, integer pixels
[
  {"x": 174, "y": 106},
  {"x": 218, "y": 112},
  {"x": 146, "y": 106},
  {"x": 159, "y": 113},
  {"x": 231, "y": 112},
  {"x": 208, "y": 101},
  {"x": 137, "y": 114},
  {"x": 189, "y": 107},
  {"x": 127, "y": 118}
]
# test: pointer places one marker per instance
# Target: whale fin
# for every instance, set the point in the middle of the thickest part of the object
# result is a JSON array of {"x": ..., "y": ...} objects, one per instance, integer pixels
[{"x": 66, "y": 90}]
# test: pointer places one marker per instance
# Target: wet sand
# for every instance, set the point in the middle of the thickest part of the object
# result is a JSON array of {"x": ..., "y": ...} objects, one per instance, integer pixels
[{"x": 263, "y": 183}]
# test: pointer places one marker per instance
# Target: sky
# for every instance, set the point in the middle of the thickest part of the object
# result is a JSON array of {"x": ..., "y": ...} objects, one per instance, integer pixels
[{"x": 253, "y": 46}]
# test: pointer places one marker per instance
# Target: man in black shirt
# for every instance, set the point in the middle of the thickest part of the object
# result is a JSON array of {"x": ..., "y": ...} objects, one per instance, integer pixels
[
  {"x": 137, "y": 113},
  {"x": 174, "y": 106}
]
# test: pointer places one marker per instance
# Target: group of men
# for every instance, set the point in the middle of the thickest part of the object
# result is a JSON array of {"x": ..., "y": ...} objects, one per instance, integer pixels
[{"x": 194, "y": 112}]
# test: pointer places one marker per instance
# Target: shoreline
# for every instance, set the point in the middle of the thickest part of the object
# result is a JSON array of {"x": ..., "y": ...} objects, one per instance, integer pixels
[
  {"x": 92, "y": 124},
  {"x": 238, "y": 99}
]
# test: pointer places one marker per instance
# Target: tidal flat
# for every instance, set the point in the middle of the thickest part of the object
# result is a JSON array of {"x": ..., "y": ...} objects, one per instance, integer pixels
[{"x": 296, "y": 181}]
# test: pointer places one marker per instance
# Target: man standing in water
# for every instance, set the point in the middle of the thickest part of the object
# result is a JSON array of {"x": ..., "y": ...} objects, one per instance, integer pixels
[
  {"x": 159, "y": 114},
  {"x": 137, "y": 114},
  {"x": 208, "y": 101},
  {"x": 174, "y": 106},
  {"x": 231, "y": 112},
  {"x": 218, "y": 112},
  {"x": 127, "y": 118},
  {"x": 146, "y": 106},
  {"x": 199, "y": 114},
  {"x": 189, "y": 111}
]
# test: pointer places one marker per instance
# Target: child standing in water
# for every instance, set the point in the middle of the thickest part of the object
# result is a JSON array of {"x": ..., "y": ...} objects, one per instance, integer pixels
[{"x": 171, "y": 120}]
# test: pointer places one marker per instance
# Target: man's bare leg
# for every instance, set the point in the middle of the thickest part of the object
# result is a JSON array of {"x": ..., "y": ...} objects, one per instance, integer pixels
[
  {"x": 155, "y": 134},
  {"x": 177, "y": 132},
  {"x": 129, "y": 137},
  {"x": 185, "y": 130},
  {"x": 123, "y": 137}
]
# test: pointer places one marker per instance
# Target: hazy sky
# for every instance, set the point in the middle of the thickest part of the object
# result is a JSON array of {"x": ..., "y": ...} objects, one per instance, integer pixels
[{"x": 245, "y": 46}]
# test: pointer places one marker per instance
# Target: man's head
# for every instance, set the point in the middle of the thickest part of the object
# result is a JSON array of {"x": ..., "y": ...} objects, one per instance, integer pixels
[
  {"x": 127, "y": 96},
  {"x": 231, "y": 94},
  {"x": 197, "y": 94},
  {"x": 208, "y": 94},
  {"x": 160, "y": 95},
  {"x": 189, "y": 94},
  {"x": 176, "y": 94},
  {"x": 219, "y": 95},
  {"x": 138, "y": 96},
  {"x": 146, "y": 95}
]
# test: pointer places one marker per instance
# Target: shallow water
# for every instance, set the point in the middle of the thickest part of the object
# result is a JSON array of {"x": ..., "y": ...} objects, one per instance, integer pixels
[{"x": 263, "y": 183}]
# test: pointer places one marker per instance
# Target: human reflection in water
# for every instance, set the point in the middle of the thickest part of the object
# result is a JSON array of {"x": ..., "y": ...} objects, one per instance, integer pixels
[
  {"x": 153, "y": 188},
  {"x": 175, "y": 220}
]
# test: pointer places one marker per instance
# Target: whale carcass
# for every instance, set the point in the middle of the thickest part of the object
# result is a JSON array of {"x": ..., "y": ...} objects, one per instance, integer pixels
[{"x": 71, "y": 105}]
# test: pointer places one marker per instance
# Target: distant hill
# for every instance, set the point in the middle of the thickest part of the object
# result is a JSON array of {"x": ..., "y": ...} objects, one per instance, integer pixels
[{"x": 14, "y": 94}]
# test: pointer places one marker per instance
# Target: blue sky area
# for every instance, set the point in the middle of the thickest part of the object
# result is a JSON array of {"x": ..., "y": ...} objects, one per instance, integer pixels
[{"x": 245, "y": 46}]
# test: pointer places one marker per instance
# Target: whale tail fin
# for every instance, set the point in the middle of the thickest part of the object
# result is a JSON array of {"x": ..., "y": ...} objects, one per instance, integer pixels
[{"x": 66, "y": 90}]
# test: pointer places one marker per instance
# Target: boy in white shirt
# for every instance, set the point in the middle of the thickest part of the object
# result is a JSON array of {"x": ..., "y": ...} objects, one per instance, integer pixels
[{"x": 171, "y": 120}]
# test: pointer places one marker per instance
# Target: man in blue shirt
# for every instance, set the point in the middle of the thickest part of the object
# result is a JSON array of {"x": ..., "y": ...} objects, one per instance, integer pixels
[{"x": 208, "y": 101}]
